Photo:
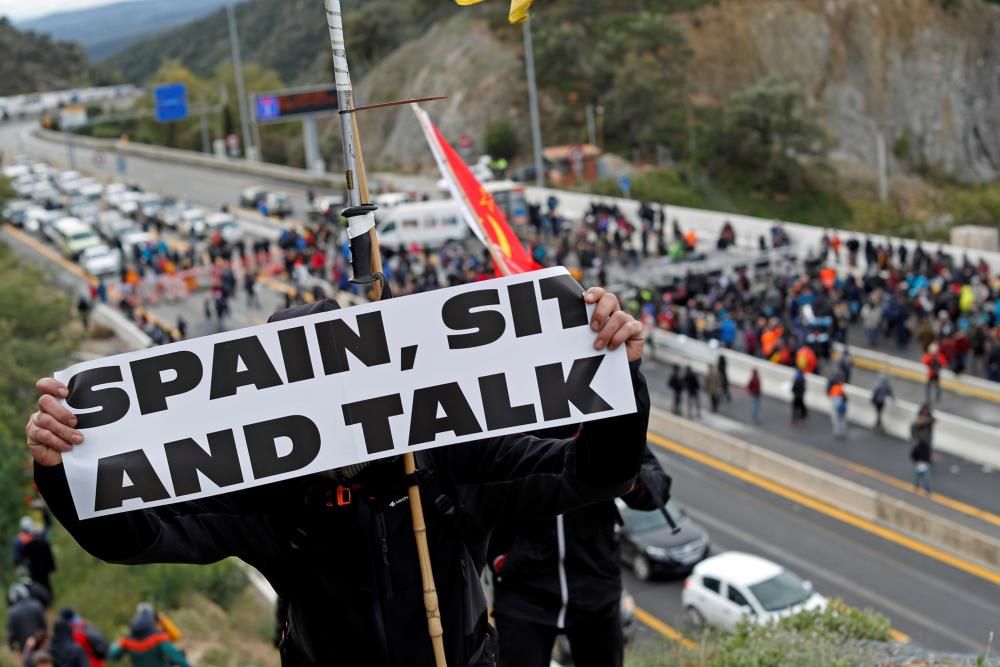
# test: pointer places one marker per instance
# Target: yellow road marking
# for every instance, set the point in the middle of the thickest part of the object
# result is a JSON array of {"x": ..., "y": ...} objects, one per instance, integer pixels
[
  {"x": 821, "y": 507},
  {"x": 659, "y": 626},
  {"x": 957, "y": 505},
  {"x": 921, "y": 378}
]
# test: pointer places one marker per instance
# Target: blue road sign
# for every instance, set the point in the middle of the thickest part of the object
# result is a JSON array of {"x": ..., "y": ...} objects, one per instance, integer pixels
[
  {"x": 171, "y": 102},
  {"x": 268, "y": 108},
  {"x": 625, "y": 183}
]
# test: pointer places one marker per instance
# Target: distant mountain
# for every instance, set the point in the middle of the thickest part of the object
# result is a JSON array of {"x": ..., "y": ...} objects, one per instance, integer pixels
[
  {"x": 33, "y": 63},
  {"x": 109, "y": 29}
]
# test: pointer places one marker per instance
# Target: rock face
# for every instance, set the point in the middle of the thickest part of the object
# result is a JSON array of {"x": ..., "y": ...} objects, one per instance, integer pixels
[
  {"x": 460, "y": 58},
  {"x": 921, "y": 75}
]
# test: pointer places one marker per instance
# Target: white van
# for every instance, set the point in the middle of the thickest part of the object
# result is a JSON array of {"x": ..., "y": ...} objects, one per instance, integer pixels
[
  {"x": 432, "y": 223},
  {"x": 74, "y": 236}
]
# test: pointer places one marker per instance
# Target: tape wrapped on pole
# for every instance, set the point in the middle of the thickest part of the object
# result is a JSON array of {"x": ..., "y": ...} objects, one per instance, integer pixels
[{"x": 360, "y": 224}]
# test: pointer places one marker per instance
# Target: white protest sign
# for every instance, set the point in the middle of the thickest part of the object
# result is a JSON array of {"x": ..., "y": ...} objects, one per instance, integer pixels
[{"x": 267, "y": 403}]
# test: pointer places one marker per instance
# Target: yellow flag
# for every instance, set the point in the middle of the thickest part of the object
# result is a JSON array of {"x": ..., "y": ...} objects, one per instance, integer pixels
[{"x": 518, "y": 8}]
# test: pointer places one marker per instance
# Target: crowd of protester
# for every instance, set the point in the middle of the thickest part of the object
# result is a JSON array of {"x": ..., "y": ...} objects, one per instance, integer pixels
[{"x": 70, "y": 640}]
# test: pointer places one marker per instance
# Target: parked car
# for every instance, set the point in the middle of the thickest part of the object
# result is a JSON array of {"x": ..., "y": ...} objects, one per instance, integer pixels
[
  {"x": 46, "y": 196},
  {"x": 132, "y": 237},
  {"x": 73, "y": 236},
  {"x": 101, "y": 260},
  {"x": 225, "y": 224},
  {"x": 325, "y": 208},
  {"x": 110, "y": 223},
  {"x": 192, "y": 222},
  {"x": 651, "y": 548},
  {"x": 279, "y": 204},
  {"x": 725, "y": 589},
  {"x": 252, "y": 196},
  {"x": 15, "y": 212},
  {"x": 39, "y": 219}
]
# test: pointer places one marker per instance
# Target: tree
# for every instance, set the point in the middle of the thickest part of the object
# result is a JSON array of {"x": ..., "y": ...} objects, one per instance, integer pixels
[
  {"x": 500, "y": 140},
  {"x": 764, "y": 134}
]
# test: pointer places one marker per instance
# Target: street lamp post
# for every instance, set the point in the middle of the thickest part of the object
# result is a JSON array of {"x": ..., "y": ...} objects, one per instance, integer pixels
[{"x": 536, "y": 127}]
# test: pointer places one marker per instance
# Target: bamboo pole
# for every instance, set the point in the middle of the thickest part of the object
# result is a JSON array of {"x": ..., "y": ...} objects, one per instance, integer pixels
[{"x": 358, "y": 195}]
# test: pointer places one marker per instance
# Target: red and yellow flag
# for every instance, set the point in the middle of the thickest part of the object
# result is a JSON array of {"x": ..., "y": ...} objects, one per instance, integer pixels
[
  {"x": 518, "y": 8},
  {"x": 481, "y": 213}
]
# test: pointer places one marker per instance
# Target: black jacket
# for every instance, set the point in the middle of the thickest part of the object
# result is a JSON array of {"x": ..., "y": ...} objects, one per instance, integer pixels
[
  {"x": 24, "y": 618},
  {"x": 350, "y": 572},
  {"x": 528, "y": 586}
]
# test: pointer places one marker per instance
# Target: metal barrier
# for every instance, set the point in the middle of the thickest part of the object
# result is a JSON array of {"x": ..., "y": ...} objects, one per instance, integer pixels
[{"x": 955, "y": 435}]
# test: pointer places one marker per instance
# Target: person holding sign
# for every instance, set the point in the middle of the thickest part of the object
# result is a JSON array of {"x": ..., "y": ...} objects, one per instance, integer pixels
[{"x": 338, "y": 545}]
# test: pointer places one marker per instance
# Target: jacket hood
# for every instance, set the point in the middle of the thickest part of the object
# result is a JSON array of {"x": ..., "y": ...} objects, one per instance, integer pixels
[{"x": 143, "y": 625}]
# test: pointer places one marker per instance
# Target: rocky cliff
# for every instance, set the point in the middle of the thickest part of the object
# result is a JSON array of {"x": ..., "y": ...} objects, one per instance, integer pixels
[{"x": 927, "y": 78}]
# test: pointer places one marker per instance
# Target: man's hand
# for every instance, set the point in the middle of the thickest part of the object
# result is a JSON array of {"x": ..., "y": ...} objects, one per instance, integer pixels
[
  {"x": 613, "y": 325},
  {"x": 50, "y": 430}
]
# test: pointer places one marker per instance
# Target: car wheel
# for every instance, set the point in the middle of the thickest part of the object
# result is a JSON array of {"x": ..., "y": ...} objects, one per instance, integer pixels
[
  {"x": 693, "y": 619},
  {"x": 641, "y": 568}
]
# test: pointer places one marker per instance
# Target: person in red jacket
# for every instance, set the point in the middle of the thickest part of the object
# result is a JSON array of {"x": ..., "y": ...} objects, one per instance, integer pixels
[
  {"x": 934, "y": 360},
  {"x": 754, "y": 389},
  {"x": 88, "y": 637}
]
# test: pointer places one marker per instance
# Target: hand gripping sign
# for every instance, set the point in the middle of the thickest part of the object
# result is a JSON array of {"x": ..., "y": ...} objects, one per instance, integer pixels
[{"x": 267, "y": 403}]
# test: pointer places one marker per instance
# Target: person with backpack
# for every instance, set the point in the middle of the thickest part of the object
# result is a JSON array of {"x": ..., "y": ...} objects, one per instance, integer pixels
[
  {"x": 66, "y": 652},
  {"x": 146, "y": 643},
  {"x": 934, "y": 360},
  {"x": 880, "y": 394},
  {"x": 921, "y": 433},
  {"x": 838, "y": 407},
  {"x": 346, "y": 607},
  {"x": 676, "y": 385},
  {"x": 754, "y": 389},
  {"x": 88, "y": 637}
]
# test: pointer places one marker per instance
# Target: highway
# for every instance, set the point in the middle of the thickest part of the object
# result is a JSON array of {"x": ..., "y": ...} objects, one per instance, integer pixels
[{"x": 934, "y": 604}]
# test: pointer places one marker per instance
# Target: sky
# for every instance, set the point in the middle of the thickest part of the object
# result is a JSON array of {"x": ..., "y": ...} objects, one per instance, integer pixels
[{"x": 26, "y": 9}]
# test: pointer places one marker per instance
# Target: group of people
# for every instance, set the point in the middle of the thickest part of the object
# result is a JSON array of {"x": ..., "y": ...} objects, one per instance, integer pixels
[{"x": 70, "y": 640}]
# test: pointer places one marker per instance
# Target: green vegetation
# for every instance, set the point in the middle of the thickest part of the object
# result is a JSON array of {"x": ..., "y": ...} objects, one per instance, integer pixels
[
  {"x": 500, "y": 140},
  {"x": 31, "y": 63},
  {"x": 215, "y": 604},
  {"x": 837, "y": 636}
]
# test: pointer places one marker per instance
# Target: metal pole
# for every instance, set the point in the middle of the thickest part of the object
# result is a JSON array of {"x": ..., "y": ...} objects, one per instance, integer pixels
[
  {"x": 591, "y": 126},
  {"x": 361, "y": 229},
  {"x": 536, "y": 126},
  {"x": 205, "y": 144},
  {"x": 310, "y": 138},
  {"x": 234, "y": 43}
]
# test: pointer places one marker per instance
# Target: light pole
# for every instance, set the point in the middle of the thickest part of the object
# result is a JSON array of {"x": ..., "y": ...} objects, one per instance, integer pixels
[
  {"x": 234, "y": 42},
  {"x": 536, "y": 127}
]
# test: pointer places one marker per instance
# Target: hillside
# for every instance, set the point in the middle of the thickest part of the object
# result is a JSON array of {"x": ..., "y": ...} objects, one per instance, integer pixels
[
  {"x": 920, "y": 71},
  {"x": 31, "y": 63},
  {"x": 289, "y": 37},
  {"x": 108, "y": 29}
]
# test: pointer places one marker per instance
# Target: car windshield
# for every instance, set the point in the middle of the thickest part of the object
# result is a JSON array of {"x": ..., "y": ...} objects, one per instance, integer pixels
[
  {"x": 780, "y": 592},
  {"x": 646, "y": 522},
  {"x": 81, "y": 236}
]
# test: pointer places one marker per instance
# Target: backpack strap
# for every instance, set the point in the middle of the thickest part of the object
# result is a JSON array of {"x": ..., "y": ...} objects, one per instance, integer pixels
[{"x": 446, "y": 506}]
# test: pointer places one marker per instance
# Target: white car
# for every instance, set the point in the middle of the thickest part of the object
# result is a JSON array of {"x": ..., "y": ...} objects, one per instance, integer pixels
[
  {"x": 725, "y": 589},
  {"x": 73, "y": 236},
  {"x": 131, "y": 239},
  {"x": 100, "y": 260},
  {"x": 226, "y": 225},
  {"x": 192, "y": 222},
  {"x": 39, "y": 219}
]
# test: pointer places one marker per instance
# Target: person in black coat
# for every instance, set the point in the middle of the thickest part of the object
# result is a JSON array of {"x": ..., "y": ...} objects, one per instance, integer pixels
[
  {"x": 346, "y": 561},
  {"x": 693, "y": 388},
  {"x": 37, "y": 556},
  {"x": 563, "y": 576},
  {"x": 65, "y": 652},
  {"x": 25, "y": 617}
]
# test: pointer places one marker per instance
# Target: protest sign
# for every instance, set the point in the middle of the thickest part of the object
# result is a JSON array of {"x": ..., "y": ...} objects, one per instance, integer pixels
[{"x": 267, "y": 403}]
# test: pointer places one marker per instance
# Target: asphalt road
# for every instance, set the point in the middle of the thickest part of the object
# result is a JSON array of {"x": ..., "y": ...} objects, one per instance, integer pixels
[{"x": 938, "y": 606}]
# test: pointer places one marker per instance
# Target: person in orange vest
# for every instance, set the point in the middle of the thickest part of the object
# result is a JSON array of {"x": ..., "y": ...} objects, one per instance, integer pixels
[
  {"x": 838, "y": 408},
  {"x": 934, "y": 360}
]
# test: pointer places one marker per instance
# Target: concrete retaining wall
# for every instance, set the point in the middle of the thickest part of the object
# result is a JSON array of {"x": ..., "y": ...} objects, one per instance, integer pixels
[
  {"x": 109, "y": 318},
  {"x": 839, "y": 493}
]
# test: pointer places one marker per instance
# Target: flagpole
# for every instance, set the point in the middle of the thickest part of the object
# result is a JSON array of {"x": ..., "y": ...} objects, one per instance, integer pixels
[{"x": 367, "y": 264}]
